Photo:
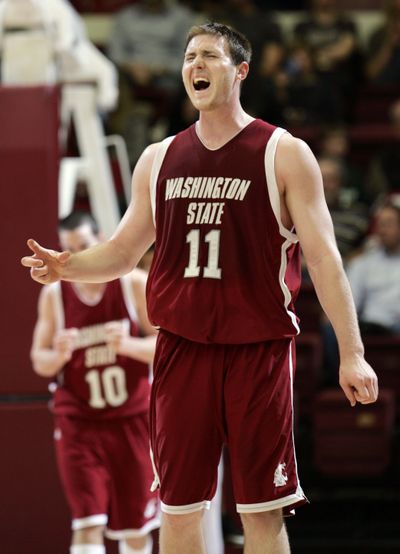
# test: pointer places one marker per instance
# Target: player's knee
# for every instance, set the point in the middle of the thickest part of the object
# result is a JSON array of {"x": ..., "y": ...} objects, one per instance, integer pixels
[
  {"x": 272, "y": 519},
  {"x": 180, "y": 522},
  {"x": 139, "y": 545}
]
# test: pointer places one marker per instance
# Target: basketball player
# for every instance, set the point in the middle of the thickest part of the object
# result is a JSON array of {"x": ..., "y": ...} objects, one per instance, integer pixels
[
  {"x": 228, "y": 202},
  {"x": 96, "y": 340}
]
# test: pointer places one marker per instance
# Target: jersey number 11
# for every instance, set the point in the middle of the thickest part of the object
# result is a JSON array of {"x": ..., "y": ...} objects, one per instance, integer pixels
[{"x": 211, "y": 270}]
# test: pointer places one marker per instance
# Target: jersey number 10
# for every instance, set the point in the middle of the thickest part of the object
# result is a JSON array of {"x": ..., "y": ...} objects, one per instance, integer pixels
[
  {"x": 211, "y": 270},
  {"x": 107, "y": 388}
]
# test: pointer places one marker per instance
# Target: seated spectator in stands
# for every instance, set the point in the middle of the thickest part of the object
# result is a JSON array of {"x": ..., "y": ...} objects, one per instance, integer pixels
[
  {"x": 335, "y": 143},
  {"x": 209, "y": 10},
  {"x": 182, "y": 114},
  {"x": 374, "y": 276},
  {"x": 332, "y": 39},
  {"x": 310, "y": 99},
  {"x": 270, "y": 101},
  {"x": 383, "y": 176},
  {"x": 383, "y": 51},
  {"x": 350, "y": 218},
  {"x": 263, "y": 32},
  {"x": 147, "y": 43}
]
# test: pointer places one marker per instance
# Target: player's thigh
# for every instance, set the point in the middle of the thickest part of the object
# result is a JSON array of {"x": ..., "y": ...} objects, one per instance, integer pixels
[
  {"x": 133, "y": 506},
  {"x": 186, "y": 419},
  {"x": 260, "y": 422}
]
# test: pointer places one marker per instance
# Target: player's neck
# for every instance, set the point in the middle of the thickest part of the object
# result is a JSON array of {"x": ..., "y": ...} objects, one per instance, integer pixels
[
  {"x": 89, "y": 293},
  {"x": 217, "y": 127}
]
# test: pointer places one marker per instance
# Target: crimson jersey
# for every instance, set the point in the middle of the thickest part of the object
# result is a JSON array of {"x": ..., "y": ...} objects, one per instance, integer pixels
[
  {"x": 97, "y": 383},
  {"x": 225, "y": 269}
]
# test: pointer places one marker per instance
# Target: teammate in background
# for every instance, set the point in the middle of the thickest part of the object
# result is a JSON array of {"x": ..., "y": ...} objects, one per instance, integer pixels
[
  {"x": 227, "y": 202},
  {"x": 97, "y": 341}
]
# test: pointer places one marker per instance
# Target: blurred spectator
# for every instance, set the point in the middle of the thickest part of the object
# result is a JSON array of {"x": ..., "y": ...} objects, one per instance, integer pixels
[
  {"x": 182, "y": 114},
  {"x": 269, "y": 101},
  {"x": 335, "y": 143},
  {"x": 210, "y": 10},
  {"x": 264, "y": 33},
  {"x": 147, "y": 43},
  {"x": 374, "y": 276},
  {"x": 350, "y": 218},
  {"x": 383, "y": 176},
  {"x": 383, "y": 52},
  {"x": 332, "y": 39},
  {"x": 310, "y": 99}
]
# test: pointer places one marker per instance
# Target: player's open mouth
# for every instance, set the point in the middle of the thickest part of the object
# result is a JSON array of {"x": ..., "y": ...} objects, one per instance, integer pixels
[{"x": 201, "y": 83}]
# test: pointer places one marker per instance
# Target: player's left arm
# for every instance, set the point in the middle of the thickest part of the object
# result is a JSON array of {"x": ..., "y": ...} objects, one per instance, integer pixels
[
  {"x": 303, "y": 205},
  {"x": 139, "y": 348}
]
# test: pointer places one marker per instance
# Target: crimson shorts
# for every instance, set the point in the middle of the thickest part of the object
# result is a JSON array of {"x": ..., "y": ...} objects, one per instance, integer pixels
[
  {"x": 204, "y": 395},
  {"x": 106, "y": 473}
]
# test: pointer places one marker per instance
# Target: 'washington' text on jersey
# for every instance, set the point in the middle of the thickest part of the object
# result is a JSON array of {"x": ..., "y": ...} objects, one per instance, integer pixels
[{"x": 206, "y": 187}]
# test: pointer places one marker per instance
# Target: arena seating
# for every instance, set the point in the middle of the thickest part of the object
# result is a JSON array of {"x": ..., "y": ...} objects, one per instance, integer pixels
[{"x": 353, "y": 442}]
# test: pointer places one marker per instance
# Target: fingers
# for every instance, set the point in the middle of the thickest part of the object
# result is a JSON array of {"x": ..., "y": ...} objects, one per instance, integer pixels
[
  {"x": 367, "y": 393},
  {"x": 30, "y": 261},
  {"x": 349, "y": 393},
  {"x": 40, "y": 274},
  {"x": 35, "y": 247}
]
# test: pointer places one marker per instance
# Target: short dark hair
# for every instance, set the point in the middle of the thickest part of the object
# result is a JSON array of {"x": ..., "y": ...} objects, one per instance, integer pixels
[
  {"x": 76, "y": 219},
  {"x": 239, "y": 46}
]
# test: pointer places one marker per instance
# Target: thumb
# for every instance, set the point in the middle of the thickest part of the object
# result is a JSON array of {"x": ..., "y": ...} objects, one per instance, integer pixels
[
  {"x": 36, "y": 248},
  {"x": 63, "y": 257}
]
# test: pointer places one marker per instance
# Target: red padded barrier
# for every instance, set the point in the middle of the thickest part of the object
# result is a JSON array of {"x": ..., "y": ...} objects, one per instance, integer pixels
[
  {"x": 29, "y": 160},
  {"x": 34, "y": 518}
]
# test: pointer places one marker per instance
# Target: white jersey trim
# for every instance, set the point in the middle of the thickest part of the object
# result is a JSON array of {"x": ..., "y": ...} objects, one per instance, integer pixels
[
  {"x": 155, "y": 170},
  {"x": 187, "y": 508},
  {"x": 55, "y": 292},
  {"x": 90, "y": 521},
  {"x": 274, "y": 198},
  {"x": 133, "y": 533},
  {"x": 273, "y": 191},
  {"x": 127, "y": 293}
]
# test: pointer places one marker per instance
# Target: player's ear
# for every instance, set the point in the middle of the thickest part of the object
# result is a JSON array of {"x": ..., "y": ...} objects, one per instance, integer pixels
[{"x": 242, "y": 71}]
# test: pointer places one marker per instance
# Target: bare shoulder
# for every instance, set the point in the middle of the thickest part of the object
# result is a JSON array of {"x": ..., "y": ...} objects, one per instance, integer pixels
[
  {"x": 46, "y": 304},
  {"x": 293, "y": 152},
  {"x": 295, "y": 163},
  {"x": 149, "y": 153}
]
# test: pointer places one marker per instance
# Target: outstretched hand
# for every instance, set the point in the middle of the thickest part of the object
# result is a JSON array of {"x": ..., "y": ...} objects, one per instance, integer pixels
[
  {"x": 46, "y": 265},
  {"x": 358, "y": 381}
]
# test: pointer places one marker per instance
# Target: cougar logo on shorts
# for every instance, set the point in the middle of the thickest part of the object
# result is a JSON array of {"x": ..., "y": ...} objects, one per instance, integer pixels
[{"x": 280, "y": 476}]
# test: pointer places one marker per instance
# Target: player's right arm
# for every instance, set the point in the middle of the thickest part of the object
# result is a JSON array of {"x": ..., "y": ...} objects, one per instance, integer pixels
[
  {"x": 51, "y": 349},
  {"x": 110, "y": 259}
]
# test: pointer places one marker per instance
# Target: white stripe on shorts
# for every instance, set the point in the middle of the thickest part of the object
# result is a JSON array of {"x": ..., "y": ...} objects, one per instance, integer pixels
[
  {"x": 272, "y": 504},
  {"x": 90, "y": 521},
  {"x": 187, "y": 508}
]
